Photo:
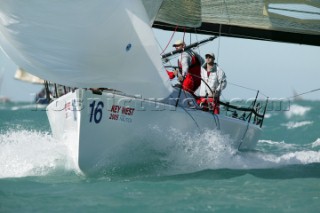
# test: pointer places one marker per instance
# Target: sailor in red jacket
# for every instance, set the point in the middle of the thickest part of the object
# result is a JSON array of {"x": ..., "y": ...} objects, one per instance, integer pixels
[{"x": 189, "y": 64}]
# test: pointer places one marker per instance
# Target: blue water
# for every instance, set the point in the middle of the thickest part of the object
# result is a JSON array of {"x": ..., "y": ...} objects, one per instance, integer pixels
[{"x": 199, "y": 175}]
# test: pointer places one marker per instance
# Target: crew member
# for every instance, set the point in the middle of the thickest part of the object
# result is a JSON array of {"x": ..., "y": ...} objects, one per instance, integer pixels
[
  {"x": 214, "y": 81},
  {"x": 189, "y": 64}
]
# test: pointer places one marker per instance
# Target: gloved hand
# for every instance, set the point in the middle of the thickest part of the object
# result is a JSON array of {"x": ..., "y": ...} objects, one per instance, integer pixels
[
  {"x": 175, "y": 72},
  {"x": 216, "y": 93},
  {"x": 180, "y": 78}
]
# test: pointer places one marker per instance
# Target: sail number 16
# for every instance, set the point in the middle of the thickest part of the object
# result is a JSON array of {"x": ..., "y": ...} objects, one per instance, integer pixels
[{"x": 96, "y": 111}]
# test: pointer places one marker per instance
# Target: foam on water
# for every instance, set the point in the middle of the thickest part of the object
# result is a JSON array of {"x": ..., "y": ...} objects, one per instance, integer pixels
[
  {"x": 268, "y": 115},
  {"x": 293, "y": 125},
  {"x": 29, "y": 106},
  {"x": 316, "y": 143},
  {"x": 31, "y": 153},
  {"x": 212, "y": 150},
  {"x": 198, "y": 152},
  {"x": 280, "y": 154},
  {"x": 297, "y": 110},
  {"x": 275, "y": 145}
]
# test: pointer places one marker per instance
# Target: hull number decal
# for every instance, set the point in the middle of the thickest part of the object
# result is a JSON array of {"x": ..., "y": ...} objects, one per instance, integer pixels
[{"x": 96, "y": 111}]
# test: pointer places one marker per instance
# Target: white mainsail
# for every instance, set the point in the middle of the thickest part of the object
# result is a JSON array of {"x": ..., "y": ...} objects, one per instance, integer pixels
[{"x": 86, "y": 44}]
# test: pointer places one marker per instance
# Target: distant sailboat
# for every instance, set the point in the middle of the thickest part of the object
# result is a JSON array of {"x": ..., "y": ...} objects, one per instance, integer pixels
[
  {"x": 296, "y": 96},
  {"x": 3, "y": 99},
  {"x": 110, "y": 45}
]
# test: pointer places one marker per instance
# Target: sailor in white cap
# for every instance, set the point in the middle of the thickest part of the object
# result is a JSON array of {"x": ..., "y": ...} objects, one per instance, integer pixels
[{"x": 215, "y": 78}]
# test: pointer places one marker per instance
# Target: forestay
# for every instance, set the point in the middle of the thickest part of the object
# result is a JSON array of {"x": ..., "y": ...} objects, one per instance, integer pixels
[{"x": 86, "y": 44}]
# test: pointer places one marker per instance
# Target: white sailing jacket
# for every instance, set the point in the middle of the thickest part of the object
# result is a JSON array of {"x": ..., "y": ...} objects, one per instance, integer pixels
[{"x": 217, "y": 81}]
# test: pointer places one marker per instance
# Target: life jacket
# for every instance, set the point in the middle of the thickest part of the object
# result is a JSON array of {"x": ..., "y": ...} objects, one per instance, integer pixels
[
  {"x": 193, "y": 78},
  {"x": 208, "y": 104}
]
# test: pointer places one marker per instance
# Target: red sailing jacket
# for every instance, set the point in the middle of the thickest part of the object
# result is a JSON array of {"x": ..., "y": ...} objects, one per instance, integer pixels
[{"x": 193, "y": 78}]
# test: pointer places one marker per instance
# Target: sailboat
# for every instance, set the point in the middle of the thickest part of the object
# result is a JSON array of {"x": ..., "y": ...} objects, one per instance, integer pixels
[
  {"x": 3, "y": 99},
  {"x": 121, "y": 99}
]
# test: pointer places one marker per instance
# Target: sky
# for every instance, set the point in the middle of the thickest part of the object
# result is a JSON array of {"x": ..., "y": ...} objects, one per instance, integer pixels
[{"x": 275, "y": 69}]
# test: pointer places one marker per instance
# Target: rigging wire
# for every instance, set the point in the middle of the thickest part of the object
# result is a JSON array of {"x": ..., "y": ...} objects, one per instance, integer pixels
[
  {"x": 159, "y": 44},
  {"x": 219, "y": 42},
  {"x": 184, "y": 33},
  {"x": 255, "y": 90},
  {"x": 197, "y": 40},
  {"x": 169, "y": 40},
  {"x": 234, "y": 84},
  {"x": 291, "y": 97},
  {"x": 311, "y": 91}
]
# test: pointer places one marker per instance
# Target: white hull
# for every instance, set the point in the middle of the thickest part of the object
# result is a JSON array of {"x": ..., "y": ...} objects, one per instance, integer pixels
[{"x": 101, "y": 129}]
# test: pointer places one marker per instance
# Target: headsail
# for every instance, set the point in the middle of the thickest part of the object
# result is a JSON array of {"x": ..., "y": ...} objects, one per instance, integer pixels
[
  {"x": 294, "y": 21},
  {"x": 85, "y": 44}
]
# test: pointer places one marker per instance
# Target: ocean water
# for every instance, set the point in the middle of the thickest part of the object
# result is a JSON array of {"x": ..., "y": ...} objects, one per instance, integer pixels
[{"x": 200, "y": 175}]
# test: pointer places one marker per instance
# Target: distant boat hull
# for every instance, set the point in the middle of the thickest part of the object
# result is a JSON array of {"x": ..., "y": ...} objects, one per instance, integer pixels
[
  {"x": 4, "y": 100},
  {"x": 104, "y": 131}
]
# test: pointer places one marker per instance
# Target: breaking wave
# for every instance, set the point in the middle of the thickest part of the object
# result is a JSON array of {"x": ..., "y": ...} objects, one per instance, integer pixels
[
  {"x": 31, "y": 153},
  {"x": 316, "y": 143},
  {"x": 212, "y": 150},
  {"x": 297, "y": 110},
  {"x": 293, "y": 125}
]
